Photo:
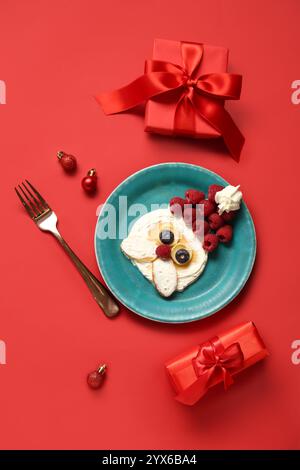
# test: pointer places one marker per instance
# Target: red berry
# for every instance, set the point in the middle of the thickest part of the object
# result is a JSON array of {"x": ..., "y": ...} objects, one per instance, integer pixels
[
  {"x": 212, "y": 190},
  {"x": 194, "y": 196},
  {"x": 89, "y": 182},
  {"x": 202, "y": 230},
  {"x": 68, "y": 162},
  {"x": 177, "y": 205},
  {"x": 208, "y": 207},
  {"x": 189, "y": 214},
  {"x": 206, "y": 227},
  {"x": 163, "y": 251},
  {"x": 215, "y": 221},
  {"x": 228, "y": 216},
  {"x": 211, "y": 242},
  {"x": 95, "y": 378},
  {"x": 225, "y": 233}
]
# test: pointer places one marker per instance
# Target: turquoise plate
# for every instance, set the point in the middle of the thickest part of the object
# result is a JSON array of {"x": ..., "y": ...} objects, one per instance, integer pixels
[{"x": 227, "y": 269}]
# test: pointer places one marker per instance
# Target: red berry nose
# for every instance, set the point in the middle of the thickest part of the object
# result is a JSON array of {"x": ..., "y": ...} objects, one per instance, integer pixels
[{"x": 163, "y": 251}]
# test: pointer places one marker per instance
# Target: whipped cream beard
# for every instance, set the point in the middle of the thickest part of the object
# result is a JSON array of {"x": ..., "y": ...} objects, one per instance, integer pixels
[
  {"x": 229, "y": 199},
  {"x": 187, "y": 259}
]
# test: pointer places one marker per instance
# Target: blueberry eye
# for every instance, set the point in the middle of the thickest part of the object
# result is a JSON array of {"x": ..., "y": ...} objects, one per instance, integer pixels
[
  {"x": 166, "y": 237},
  {"x": 182, "y": 256}
]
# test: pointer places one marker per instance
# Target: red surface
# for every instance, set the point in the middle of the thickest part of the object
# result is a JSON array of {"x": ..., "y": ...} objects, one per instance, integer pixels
[{"x": 54, "y": 56}]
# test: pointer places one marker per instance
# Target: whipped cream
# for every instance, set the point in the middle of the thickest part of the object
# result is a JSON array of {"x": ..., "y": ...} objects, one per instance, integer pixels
[
  {"x": 229, "y": 199},
  {"x": 166, "y": 277}
]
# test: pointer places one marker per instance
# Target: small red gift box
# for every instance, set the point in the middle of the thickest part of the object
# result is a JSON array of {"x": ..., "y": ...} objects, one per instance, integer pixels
[
  {"x": 215, "y": 361},
  {"x": 184, "y": 86},
  {"x": 160, "y": 112}
]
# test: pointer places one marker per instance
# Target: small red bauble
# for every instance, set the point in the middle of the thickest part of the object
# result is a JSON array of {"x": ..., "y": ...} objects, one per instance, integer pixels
[
  {"x": 89, "y": 182},
  {"x": 95, "y": 378},
  {"x": 68, "y": 162}
]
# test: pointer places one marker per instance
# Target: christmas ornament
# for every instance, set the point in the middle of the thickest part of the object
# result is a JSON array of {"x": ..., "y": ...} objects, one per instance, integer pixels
[
  {"x": 89, "y": 182},
  {"x": 67, "y": 161},
  {"x": 95, "y": 378}
]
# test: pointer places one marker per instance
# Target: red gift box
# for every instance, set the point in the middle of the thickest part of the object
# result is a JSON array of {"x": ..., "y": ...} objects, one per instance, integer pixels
[
  {"x": 159, "y": 112},
  {"x": 185, "y": 86},
  {"x": 215, "y": 361}
]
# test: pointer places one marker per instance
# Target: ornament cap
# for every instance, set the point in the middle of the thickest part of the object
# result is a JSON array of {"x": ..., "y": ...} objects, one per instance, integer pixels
[
  {"x": 60, "y": 154},
  {"x": 102, "y": 369},
  {"x": 92, "y": 172},
  {"x": 67, "y": 161}
]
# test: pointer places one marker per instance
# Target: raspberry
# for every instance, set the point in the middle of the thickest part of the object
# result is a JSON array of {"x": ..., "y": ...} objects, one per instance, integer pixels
[
  {"x": 228, "y": 216},
  {"x": 177, "y": 205},
  {"x": 194, "y": 196},
  {"x": 208, "y": 207},
  {"x": 199, "y": 231},
  {"x": 206, "y": 227},
  {"x": 163, "y": 251},
  {"x": 189, "y": 215},
  {"x": 212, "y": 190},
  {"x": 215, "y": 221},
  {"x": 211, "y": 242},
  {"x": 225, "y": 233}
]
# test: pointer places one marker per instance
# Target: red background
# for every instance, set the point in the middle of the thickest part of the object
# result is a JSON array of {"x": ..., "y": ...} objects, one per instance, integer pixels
[{"x": 54, "y": 56}]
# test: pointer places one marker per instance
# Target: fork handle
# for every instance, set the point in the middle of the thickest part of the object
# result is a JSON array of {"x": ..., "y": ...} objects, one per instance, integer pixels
[{"x": 99, "y": 292}]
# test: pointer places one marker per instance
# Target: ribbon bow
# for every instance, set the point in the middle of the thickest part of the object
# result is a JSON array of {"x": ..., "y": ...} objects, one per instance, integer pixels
[
  {"x": 214, "y": 363},
  {"x": 204, "y": 95}
]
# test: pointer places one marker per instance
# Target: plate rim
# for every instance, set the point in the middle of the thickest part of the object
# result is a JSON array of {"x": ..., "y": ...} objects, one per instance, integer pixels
[{"x": 172, "y": 322}]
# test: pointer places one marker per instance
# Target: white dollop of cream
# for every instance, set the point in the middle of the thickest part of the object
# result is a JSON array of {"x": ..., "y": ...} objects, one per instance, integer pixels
[{"x": 229, "y": 199}]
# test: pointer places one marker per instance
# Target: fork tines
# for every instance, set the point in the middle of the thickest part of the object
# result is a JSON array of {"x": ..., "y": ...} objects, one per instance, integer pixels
[{"x": 34, "y": 203}]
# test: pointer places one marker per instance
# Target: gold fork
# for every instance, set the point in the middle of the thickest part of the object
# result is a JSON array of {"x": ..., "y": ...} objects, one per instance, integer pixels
[{"x": 44, "y": 217}]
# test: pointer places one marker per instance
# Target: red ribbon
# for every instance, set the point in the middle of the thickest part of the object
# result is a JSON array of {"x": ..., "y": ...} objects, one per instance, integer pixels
[
  {"x": 214, "y": 363},
  {"x": 204, "y": 95}
]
